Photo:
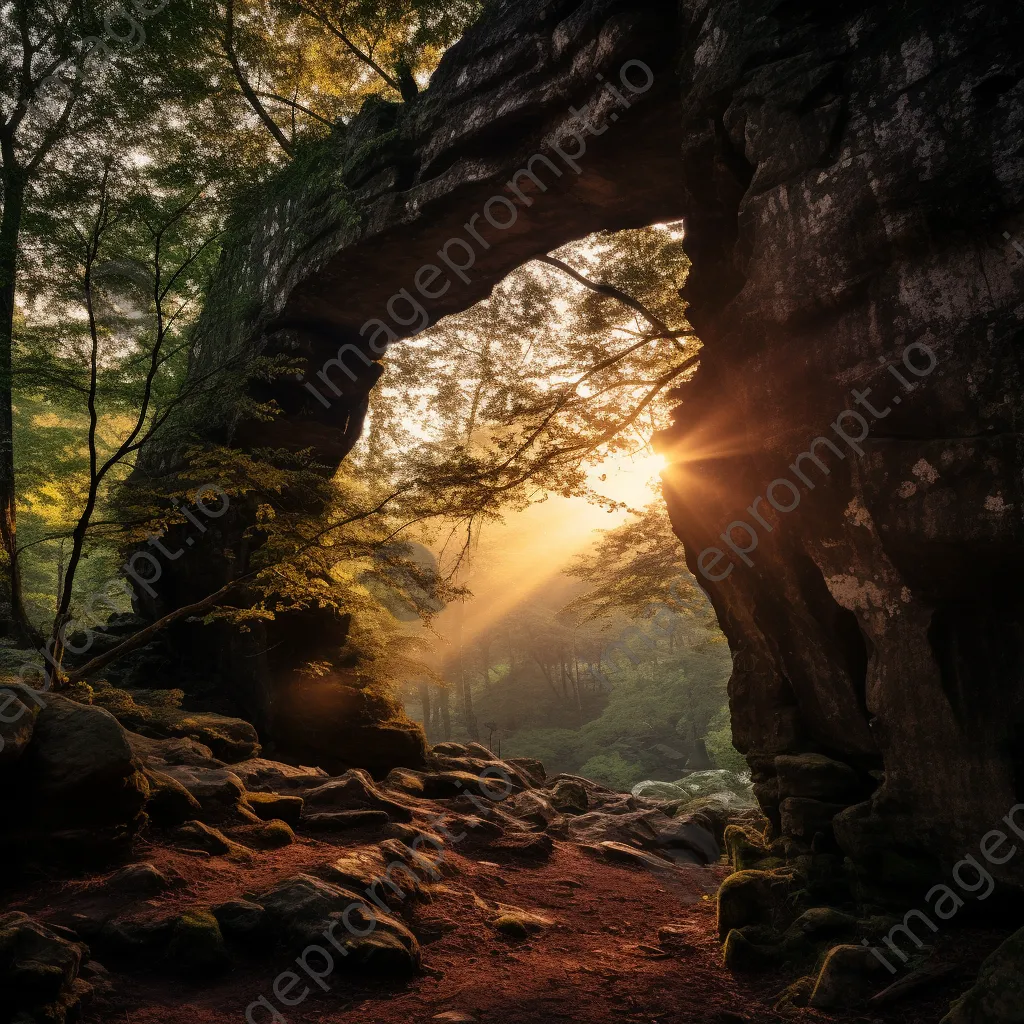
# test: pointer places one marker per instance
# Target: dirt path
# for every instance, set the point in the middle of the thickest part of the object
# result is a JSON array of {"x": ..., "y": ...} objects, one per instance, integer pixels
[{"x": 598, "y": 961}]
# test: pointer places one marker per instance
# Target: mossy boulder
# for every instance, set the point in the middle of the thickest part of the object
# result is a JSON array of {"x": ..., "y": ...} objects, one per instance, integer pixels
[
  {"x": 756, "y": 898},
  {"x": 751, "y": 949},
  {"x": 997, "y": 997},
  {"x": 269, "y": 806},
  {"x": 849, "y": 976},
  {"x": 265, "y": 835},
  {"x": 196, "y": 947},
  {"x": 154, "y": 713},
  {"x": 196, "y": 835},
  {"x": 169, "y": 804},
  {"x": 220, "y": 792},
  {"x": 745, "y": 847}
]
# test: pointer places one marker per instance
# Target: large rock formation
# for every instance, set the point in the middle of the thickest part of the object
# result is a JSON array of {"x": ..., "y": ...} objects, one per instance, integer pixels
[{"x": 848, "y": 174}]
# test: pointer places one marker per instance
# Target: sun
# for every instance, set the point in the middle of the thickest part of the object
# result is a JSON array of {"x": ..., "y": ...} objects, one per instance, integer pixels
[{"x": 632, "y": 479}]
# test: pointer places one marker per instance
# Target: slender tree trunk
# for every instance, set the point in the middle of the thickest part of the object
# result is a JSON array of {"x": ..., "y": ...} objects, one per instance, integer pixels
[
  {"x": 468, "y": 715},
  {"x": 485, "y": 657},
  {"x": 446, "y": 714},
  {"x": 14, "y": 621},
  {"x": 60, "y": 574},
  {"x": 425, "y": 702}
]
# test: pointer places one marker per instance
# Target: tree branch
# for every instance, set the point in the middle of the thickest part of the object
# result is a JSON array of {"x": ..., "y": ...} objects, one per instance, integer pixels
[{"x": 243, "y": 83}]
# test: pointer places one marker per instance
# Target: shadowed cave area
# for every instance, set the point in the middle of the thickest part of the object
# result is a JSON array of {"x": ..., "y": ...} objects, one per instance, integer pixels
[{"x": 844, "y": 468}]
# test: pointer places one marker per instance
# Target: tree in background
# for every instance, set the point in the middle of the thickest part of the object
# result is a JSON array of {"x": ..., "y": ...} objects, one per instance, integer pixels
[{"x": 71, "y": 81}]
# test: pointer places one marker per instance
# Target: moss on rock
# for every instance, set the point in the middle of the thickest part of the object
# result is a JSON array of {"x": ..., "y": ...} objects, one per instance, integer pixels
[{"x": 197, "y": 946}]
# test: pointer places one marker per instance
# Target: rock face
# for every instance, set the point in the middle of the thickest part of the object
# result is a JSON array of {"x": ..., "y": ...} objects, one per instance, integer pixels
[
  {"x": 848, "y": 175},
  {"x": 852, "y": 179}
]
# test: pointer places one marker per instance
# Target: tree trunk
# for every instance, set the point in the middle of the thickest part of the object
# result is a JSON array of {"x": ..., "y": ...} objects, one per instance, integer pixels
[
  {"x": 468, "y": 715},
  {"x": 446, "y": 714},
  {"x": 14, "y": 621},
  {"x": 425, "y": 702}
]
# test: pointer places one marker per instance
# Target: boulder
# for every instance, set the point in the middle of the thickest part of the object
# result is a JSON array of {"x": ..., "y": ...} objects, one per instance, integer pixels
[
  {"x": 196, "y": 835},
  {"x": 532, "y": 768},
  {"x": 39, "y": 971},
  {"x": 744, "y": 846},
  {"x": 531, "y": 807},
  {"x": 342, "y": 821},
  {"x": 688, "y": 835},
  {"x": 492, "y": 779},
  {"x": 569, "y": 796},
  {"x": 18, "y": 711},
  {"x": 755, "y": 898},
  {"x": 620, "y": 853},
  {"x": 143, "y": 879},
  {"x": 372, "y": 871},
  {"x": 264, "y": 835},
  {"x": 169, "y": 804},
  {"x": 997, "y": 996},
  {"x": 651, "y": 789},
  {"x": 297, "y": 908},
  {"x": 355, "y": 790},
  {"x": 175, "y": 751},
  {"x": 449, "y": 748},
  {"x": 635, "y": 827},
  {"x": 303, "y": 911},
  {"x": 848, "y": 977},
  {"x": 528, "y": 845},
  {"x": 77, "y": 790},
  {"x": 219, "y": 791},
  {"x": 196, "y": 948},
  {"x": 405, "y": 781},
  {"x": 239, "y": 919},
  {"x": 263, "y": 776},
  {"x": 134, "y": 934},
  {"x": 229, "y": 739},
  {"x": 718, "y": 780},
  {"x": 751, "y": 949},
  {"x": 274, "y": 805}
]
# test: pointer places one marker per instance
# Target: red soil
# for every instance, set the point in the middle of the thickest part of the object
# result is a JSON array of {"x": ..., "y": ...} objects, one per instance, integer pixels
[{"x": 599, "y": 961}]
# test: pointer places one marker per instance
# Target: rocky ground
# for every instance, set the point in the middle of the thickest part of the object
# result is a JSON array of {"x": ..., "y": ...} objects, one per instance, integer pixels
[{"x": 225, "y": 886}]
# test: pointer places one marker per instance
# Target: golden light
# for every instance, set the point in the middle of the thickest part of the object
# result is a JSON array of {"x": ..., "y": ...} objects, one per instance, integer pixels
[{"x": 632, "y": 479}]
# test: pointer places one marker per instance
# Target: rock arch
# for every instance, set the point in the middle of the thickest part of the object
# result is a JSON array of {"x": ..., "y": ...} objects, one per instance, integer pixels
[{"x": 848, "y": 174}]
